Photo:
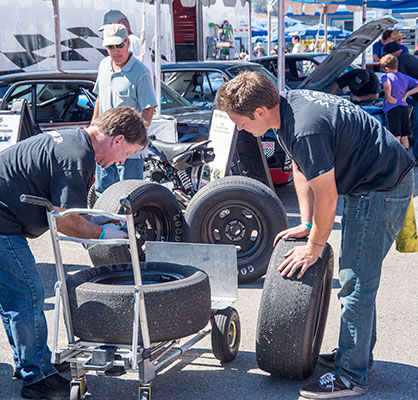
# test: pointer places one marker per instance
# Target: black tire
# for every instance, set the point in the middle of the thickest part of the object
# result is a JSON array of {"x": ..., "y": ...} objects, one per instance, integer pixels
[
  {"x": 157, "y": 217},
  {"x": 239, "y": 211},
  {"x": 226, "y": 334},
  {"x": 177, "y": 300},
  {"x": 292, "y": 315},
  {"x": 91, "y": 196}
]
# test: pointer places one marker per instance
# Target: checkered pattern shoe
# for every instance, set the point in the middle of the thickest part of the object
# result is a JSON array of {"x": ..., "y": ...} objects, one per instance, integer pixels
[{"x": 331, "y": 386}]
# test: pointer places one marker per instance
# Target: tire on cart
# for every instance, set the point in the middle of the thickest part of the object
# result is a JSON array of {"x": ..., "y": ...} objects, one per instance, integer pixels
[
  {"x": 226, "y": 334},
  {"x": 292, "y": 315},
  {"x": 91, "y": 196},
  {"x": 157, "y": 217},
  {"x": 177, "y": 300},
  {"x": 75, "y": 392},
  {"x": 239, "y": 211}
]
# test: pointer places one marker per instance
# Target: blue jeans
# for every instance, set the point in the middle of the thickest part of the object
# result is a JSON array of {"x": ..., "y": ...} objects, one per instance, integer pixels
[
  {"x": 370, "y": 224},
  {"x": 415, "y": 129},
  {"x": 133, "y": 168},
  {"x": 21, "y": 308}
]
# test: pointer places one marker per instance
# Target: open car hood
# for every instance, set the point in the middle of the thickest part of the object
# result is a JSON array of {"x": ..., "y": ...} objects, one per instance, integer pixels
[{"x": 346, "y": 53}]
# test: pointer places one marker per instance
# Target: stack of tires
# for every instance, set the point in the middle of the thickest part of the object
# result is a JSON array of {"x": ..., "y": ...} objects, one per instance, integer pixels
[{"x": 234, "y": 210}]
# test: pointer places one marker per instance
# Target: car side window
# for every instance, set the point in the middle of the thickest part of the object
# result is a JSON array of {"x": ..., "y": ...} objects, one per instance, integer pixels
[{"x": 23, "y": 91}]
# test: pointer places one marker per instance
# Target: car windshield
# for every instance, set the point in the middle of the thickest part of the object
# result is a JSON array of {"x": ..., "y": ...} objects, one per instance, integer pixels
[
  {"x": 234, "y": 71},
  {"x": 170, "y": 99}
]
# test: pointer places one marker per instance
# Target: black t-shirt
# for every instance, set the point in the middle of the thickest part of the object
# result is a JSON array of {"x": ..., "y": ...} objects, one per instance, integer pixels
[
  {"x": 372, "y": 86},
  {"x": 58, "y": 166},
  {"x": 408, "y": 65},
  {"x": 321, "y": 131}
]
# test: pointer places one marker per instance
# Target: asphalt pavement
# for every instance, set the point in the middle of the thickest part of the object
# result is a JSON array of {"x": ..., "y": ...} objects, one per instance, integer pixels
[{"x": 198, "y": 375}]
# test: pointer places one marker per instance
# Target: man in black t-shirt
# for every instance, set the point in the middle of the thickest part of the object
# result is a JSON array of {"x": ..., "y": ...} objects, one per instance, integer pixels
[
  {"x": 336, "y": 149},
  {"x": 58, "y": 166},
  {"x": 363, "y": 84}
]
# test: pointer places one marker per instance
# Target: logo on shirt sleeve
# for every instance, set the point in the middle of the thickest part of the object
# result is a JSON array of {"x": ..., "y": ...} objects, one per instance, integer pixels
[{"x": 56, "y": 136}]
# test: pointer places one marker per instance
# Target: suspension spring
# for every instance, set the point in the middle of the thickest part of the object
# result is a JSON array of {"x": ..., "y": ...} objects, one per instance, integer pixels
[{"x": 185, "y": 180}]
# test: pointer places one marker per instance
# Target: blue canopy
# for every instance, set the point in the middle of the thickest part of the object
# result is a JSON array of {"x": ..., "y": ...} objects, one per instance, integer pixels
[{"x": 385, "y": 4}]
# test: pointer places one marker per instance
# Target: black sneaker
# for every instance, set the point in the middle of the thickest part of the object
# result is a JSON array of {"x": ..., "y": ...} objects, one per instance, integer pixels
[
  {"x": 55, "y": 387},
  {"x": 331, "y": 386},
  {"x": 327, "y": 360},
  {"x": 63, "y": 367}
]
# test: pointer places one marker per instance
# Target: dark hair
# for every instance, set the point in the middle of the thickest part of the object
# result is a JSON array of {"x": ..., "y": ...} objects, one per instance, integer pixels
[
  {"x": 123, "y": 121},
  {"x": 296, "y": 37},
  {"x": 386, "y": 34},
  {"x": 247, "y": 92}
]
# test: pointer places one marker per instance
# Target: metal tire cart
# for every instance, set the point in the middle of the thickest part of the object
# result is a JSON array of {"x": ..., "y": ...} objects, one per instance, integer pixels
[{"x": 146, "y": 358}]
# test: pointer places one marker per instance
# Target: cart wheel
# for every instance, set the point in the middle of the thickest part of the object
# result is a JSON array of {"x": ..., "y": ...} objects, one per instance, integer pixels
[
  {"x": 145, "y": 392},
  {"x": 226, "y": 334},
  {"x": 75, "y": 393}
]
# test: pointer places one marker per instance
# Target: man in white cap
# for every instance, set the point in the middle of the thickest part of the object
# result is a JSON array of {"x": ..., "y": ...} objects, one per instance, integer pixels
[
  {"x": 135, "y": 45},
  {"x": 122, "y": 81}
]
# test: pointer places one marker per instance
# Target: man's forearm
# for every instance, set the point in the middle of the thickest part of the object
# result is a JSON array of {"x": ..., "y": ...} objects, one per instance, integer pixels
[
  {"x": 96, "y": 110},
  {"x": 304, "y": 194},
  {"x": 147, "y": 115},
  {"x": 77, "y": 226}
]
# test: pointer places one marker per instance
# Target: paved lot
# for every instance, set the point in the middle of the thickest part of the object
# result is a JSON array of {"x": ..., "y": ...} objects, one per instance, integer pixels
[{"x": 198, "y": 375}]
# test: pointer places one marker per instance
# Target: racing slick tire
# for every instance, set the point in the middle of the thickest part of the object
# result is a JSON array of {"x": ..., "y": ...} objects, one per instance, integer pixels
[
  {"x": 177, "y": 302},
  {"x": 157, "y": 217},
  {"x": 292, "y": 315},
  {"x": 239, "y": 211}
]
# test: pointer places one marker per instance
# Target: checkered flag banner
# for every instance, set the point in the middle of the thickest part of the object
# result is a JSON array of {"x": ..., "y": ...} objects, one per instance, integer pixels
[{"x": 268, "y": 148}]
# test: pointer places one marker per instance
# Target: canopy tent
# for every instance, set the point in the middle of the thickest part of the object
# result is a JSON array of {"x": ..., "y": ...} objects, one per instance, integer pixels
[{"x": 298, "y": 6}]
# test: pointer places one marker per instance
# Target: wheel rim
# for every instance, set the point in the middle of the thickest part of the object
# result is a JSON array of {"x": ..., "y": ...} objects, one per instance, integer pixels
[
  {"x": 127, "y": 277},
  {"x": 151, "y": 224},
  {"x": 232, "y": 334},
  {"x": 236, "y": 223}
]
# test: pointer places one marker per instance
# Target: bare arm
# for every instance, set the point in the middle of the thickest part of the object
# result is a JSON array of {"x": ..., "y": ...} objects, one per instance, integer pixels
[
  {"x": 325, "y": 197},
  {"x": 387, "y": 87},
  {"x": 367, "y": 97},
  {"x": 96, "y": 109},
  {"x": 147, "y": 115},
  {"x": 306, "y": 201},
  {"x": 334, "y": 88},
  {"x": 376, "y": 58},
  {"x": 77, "y": 226},
  {"x": 410, "y": 92}
]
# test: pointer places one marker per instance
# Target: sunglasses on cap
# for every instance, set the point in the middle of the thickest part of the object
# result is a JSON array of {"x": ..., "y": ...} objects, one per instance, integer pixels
[{"x": 118, "y": 46}]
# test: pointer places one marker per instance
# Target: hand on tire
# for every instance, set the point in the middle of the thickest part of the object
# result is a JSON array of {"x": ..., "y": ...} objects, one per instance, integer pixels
[
  {"x": 297, "y": 232},
  {"x": 112, "y": 231},
  {"x": 301, "y": 258}
]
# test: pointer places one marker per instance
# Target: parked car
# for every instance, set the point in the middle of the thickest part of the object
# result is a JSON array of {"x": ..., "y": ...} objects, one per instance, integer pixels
[
  {"x": 198, "y": 82},
  {"x": 63, "y": 100},
  {"x": 317, "y": 71}
]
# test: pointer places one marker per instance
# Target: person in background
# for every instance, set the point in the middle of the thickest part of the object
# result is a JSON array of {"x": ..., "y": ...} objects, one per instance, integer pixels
[
  {"x": 378, "y": 46},
  {"x": 58, "y": 166},
  {"x": 336, "y": 149},
  {"x": 122, "y": 81},
  {"x": 297, "y": 46},
  {"x": 396, "y": 36},
  {"x": 142, "y": 53},
  {"x": 363, "y": 84},
  {"x": 408, "y": 65},
  {"x": 261, "y": 52},
  {"x": 397, "y": 87}
]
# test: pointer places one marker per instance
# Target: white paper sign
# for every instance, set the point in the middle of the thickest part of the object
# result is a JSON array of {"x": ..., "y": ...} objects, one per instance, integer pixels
[
  {"x": 9, "y": 128},
  {"x": 223, "y": 136}
]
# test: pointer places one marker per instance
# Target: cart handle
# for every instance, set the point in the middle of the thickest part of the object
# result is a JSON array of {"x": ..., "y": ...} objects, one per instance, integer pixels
[{"x": 40, "y": 201}]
